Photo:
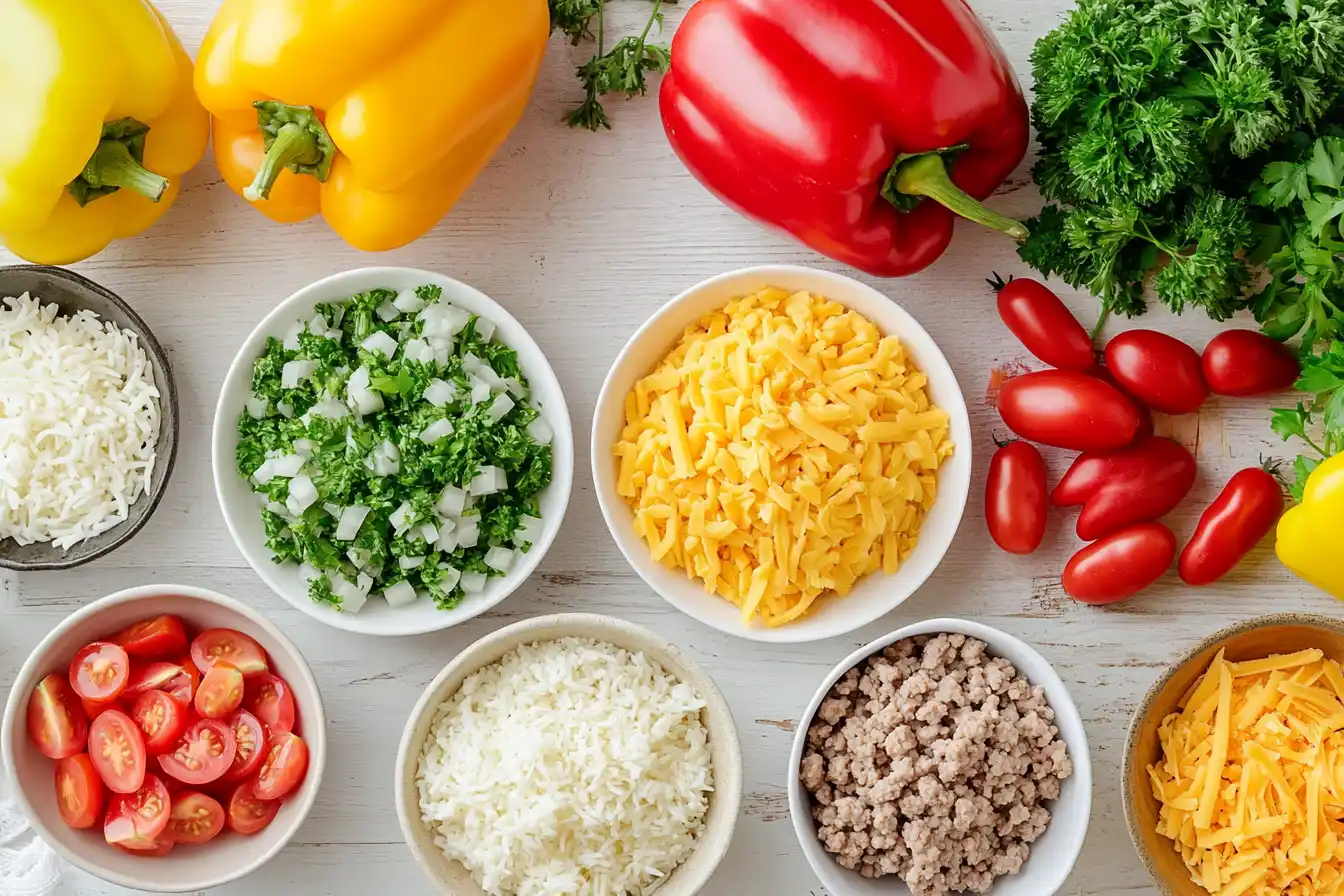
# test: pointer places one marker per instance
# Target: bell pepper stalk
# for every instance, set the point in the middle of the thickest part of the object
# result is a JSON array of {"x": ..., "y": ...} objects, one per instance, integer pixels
[
  {"x": 862, "y": 128},
  {"x": 1308, "y": 536},
  {"x": 295, "y": 139},
  {"x": 116, "y": 163}
]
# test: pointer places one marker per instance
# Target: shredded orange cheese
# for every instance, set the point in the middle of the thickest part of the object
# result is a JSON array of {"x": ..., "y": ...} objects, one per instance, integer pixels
[
  {"x": 782, "y": 450},
  {"x": 1250, "y": 783}
]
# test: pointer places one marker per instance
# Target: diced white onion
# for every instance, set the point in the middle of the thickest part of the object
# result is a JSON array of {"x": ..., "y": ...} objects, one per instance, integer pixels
[
  {"x": 540, "y": 431},
  {"x": 352, "y": 518},
  {"x": 468, "y": 532},
  {"x": 439, "y": 429},
  {"x": 388, "y": 311},
  {"x": 499, "y": 559},
  {"x": 513, "y": 387},
  {"x": 292, "y": 336},
  {"x": 331, "y": 509},
  {"x": 480, "y": 390},
  {"x": 442, "y": 349},
  {"x": 452, "y": 501},
  {"x": 429, "y": 533},
  {"x": 304, "y": 447},
  {"x": 411, "y": 562},
  {"x": 484, "y": 483},
  {"x": 451, "y": 576},
  {"x": 401, "y": 594},
  {"x": 287, "y": 466},
  {"x": 440, "y": 393},
  {"x": 364, "y": 582},
  {"x": 529, "y": 530},
  {"x": 359, "y": 395},
  {"x": 329, "y": 408},
  {"x": 302, "y": 494},
  {"x": 418, "y": 350},
  {"x": 286, "y": 410},
  {"x": 485, "y": 329},
  {"x": 401, "y": 518},
  {"x": 407, "y": 302},
  {"x": 357, "y": 556},
  {"x": 318, "y": 327},
  {"x": 257, "y": 407},
  {"x": 482, "y": 370},
  {"x": 381, "y": 343},
  {"x": 447, "y": 540},
  {"x": 499, "y": 408},
  {"x": 442, "y": 319},
  {"x": 280, "y": 510},
  {"x": 264, "y": 473},
  {"x": 352, "y": 598},
  {"x": 295, "y": 372},
  {"x": 473, "y": 582}
]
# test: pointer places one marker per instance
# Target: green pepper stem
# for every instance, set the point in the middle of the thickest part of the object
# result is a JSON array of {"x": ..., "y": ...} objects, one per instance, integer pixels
[
  {"x": 112, "y": 165},
  {"x": 293, "y": 143},
  {"x": 926, "y": 175}
]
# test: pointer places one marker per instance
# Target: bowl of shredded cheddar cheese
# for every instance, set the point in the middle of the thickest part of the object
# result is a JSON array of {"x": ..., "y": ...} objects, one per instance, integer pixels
[
  {"x": 1234, "y": 765},
  {"x": 782, "y": 453}
]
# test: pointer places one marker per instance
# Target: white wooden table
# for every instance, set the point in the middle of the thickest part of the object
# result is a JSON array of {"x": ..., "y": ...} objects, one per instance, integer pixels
[{"x": 582, "y": 237}]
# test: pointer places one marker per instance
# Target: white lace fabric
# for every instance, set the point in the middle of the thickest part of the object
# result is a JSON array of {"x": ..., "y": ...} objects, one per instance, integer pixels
[{"x": 28, "y": 866}]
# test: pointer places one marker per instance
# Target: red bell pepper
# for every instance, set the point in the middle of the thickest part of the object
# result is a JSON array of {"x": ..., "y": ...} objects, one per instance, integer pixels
[{"x": 833, "y": 119}]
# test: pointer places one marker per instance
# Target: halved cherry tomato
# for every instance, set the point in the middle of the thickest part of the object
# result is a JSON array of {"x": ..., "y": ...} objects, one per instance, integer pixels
[
  {"x": 1242, "y": 514},
  {"x": 1068, "y": 410},
  {"x": 92, "y": 708},
  {"x": 250, "y": 737},
  {"x": 284, "y": 767},
  {"x": 221, "y": 691},
  {"x": 247, "y": 813},
  {"x": 1120, "y": 565},
  {"x": 117, "y": 749},
  {"x": 159, "y": 846},
  {"x": 136, "y": 820},
  {"x": 56, "y": 721},
  {"x": 79, "y": 791},
  {"x": 231, "y": 646},
  {"x": 1043, "y": 324},
  {"x": 162, "y": 719},
  {"x": 203, "y": 754},
  {"x": 153, "y": 638},
  {"x": 195, "y": 818},
  {"x": 100, "y": 671},
  {"x": 1136, "y": 484},
  {"x": 1245, "y": 362},
  {"x": 183, "y": 685},
  {"x": 1160, "y": 370},
  {"x": 151, "y": 677},
  {"x": 1015, "y": 498},
  {"x": 271, "y": 700}
]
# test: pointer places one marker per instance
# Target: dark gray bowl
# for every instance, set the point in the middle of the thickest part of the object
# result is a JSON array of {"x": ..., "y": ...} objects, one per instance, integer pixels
[{"x": 73, "y": 293}]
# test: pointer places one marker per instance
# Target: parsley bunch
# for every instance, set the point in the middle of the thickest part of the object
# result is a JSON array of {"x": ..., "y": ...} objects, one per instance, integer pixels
[
  {"x": 1322, "y": 377},
  {"x": 622, "y": 69},
  {"x": 1156, "y": 119}
]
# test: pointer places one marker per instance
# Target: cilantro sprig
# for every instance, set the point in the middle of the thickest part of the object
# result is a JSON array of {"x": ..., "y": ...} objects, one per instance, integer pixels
[
  {"x": 1317, "y": 422},
  {"x": 623, "y": 69}
]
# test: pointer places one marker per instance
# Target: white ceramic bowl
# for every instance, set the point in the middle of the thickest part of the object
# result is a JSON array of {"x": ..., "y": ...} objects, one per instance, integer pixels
[
  {"x": 242, "y": 512},
  {"x": 1052, "y": 855},
  {"x": 187, "y": 868},
  {"x": 726, "y": 750},
  {"x": 872, "y": 597}
]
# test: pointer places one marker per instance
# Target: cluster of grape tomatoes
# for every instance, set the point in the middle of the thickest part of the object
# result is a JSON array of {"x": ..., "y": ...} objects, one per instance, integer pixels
[
  {"x": 206, "y": 712},
  {"x": 1125, "y": 479}
]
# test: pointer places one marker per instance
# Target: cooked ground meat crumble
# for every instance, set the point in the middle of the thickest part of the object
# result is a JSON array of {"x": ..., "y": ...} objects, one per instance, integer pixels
[{"x": 931, "y": 760}]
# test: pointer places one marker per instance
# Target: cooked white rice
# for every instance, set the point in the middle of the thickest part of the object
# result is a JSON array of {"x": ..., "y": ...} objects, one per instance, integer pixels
[
  {"x": 568, "y": 767},
  {"x": 79, "y": 423}
]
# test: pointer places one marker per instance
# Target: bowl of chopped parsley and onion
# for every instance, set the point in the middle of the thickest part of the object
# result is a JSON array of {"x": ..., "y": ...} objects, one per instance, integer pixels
[{"x": 392, "y": 451}]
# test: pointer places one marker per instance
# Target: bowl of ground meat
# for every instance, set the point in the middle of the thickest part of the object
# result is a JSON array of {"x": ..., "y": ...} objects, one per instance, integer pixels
[{"x": 946, "y": 757}]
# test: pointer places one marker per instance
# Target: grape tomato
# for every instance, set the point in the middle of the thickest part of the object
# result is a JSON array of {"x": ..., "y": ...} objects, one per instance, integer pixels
[
  {"x": 201, "y": 755},
  {"x": 117, "y": 749},
  {"x": 220, "y": 691},
  {"x": 250, "y": 739},
  {"x": 57, "y": 724},
  {"x": 284, "y": 768},
  {"x": 100, "y": 671},
  {"x": 270, "y": 699},
  {"x": 230, "y": 646},
  {"x": 162, "y": 636},
  {"x": 162, "y": 718},
  {"x": 79, "y": 791},
  {"x": 247, "y": 813},
  {"x": 195, "y": 818},
  {"x": 135, "y": 820}
]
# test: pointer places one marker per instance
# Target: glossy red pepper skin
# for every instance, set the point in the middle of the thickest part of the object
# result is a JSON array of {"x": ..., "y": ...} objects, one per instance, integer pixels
[{"x": 794, "y": 111}]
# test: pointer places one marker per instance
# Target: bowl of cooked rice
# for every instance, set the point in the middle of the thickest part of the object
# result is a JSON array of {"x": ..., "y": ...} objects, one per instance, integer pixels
[{"x": 576, "y": 751}]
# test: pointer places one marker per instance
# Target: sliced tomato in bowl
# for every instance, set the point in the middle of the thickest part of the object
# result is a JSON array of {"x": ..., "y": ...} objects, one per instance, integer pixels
[
  {"x": 183, "y": 685},
  {"x": 202, "y": 754},
  {"x": 249, "y": 814},
  {"x": 195, "y": 818},
  {"x": 79, "y": 791},
  {"x": 151, "y": 677},
  {"x": 162, "y": 718},
  {"x": 270, "y": 699},
  {"x": 135, "y": 820},
  {"x": 250, "y": 737},
  {"x": 147, "y": 849},
  {"x": 230, "y": 646},
  {"x": 57, "y": 724},
  {"x": 162, "y": 636},
  {"x": 99, "y": 671},
  {"x": 221, "y": 691},
  {"x": 284, "y": 767},
  {"x": 117, "y": 749}
]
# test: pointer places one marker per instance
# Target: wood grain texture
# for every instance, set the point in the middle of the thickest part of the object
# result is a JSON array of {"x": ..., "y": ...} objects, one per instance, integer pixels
[{"x": 582, "y": 237}]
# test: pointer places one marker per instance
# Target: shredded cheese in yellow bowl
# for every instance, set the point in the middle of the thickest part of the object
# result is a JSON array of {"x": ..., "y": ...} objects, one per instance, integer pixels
[
  {"x": 783, "y": 449},
  {"x": 1250, "y": 780}
]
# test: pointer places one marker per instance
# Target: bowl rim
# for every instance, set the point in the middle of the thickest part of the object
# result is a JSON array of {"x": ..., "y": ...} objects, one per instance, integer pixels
[
  {"x": 168, "y": 398},
  {"x": 315, "y": 719},
  {"x": 1288, "y": 618},
  {"x": 468, "y": 659},
  {"x": 956, "y": 492},
  {"x": 557, "y": 415},
  {"x": 805, "y": 829}
]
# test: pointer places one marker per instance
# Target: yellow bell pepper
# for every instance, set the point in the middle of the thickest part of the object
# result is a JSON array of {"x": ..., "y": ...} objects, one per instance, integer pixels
[
  {"x": 1311, "y": 534},
  {"x": 98, "y": 121},
  {"x": 377, "y": 113}
]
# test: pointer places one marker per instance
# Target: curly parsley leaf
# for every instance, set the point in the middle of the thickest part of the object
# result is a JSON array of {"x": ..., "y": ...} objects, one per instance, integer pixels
[{"x": 621, "y": 70}]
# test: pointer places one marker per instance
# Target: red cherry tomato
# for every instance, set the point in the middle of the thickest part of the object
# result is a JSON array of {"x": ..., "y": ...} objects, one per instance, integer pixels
[
  {"x": 1015, "y": 498},
  {"x": 1120, "y": 565},
  {"x": 1244, "y": 362},
  {"x": 271, "y": 700},
  {"x": 183, "y": 685},
  {"x": 283, "y": 769},
  {"x": 203, "y": 754},
  {"x": 250, "y": 737},
  {"x": 154, "y": 638},
  {"x": 92, "y": 708},
  {"x": 100, "y": 671},
  {"x": 151, "y": 677},
  {"x": 195, "y": 818},
  {"x": 1043, "y": 324},
  {"x": 221, "y": 691},
  {"x": 79, "y": 791},
  {"x": 1136, "y": 484},
  {"x": 1068, "y": 410},
  {"x": 247, "y": 813},
  {"x": 147, "y": 849},
  {"x": 1159, "y": 370},
  {"x": 56, "y": 721},
  {"x": 1145, "y": 413},
  {"x": 162, "y": 719},
  {"x": 117, "y": 749},
  {"x": 1242, "y": 514},
  {"x": 136, "y": 820},
  {"x": 231, "y": 646}
]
